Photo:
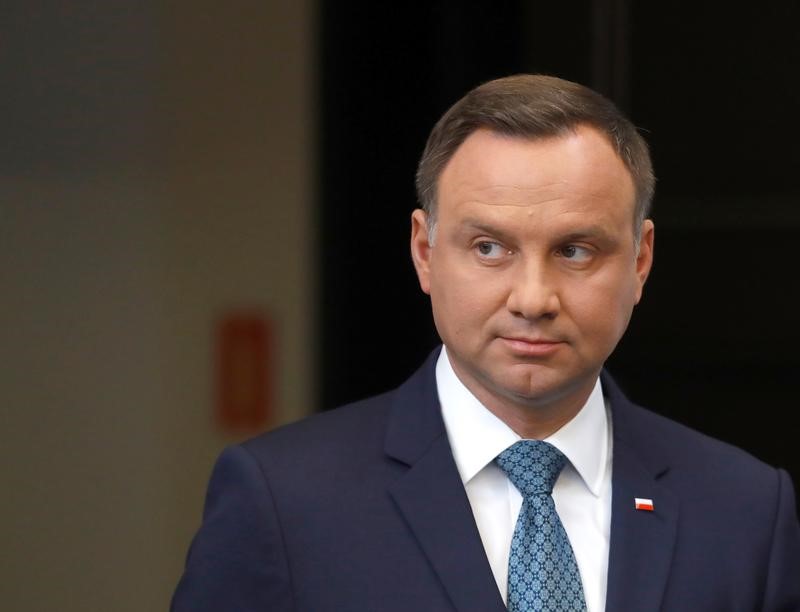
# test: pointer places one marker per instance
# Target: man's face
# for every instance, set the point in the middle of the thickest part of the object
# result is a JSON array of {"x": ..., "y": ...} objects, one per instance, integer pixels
[{"x": 533, "y": 272}]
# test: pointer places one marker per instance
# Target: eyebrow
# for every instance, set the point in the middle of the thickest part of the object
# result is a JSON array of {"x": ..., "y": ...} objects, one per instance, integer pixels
[
  {"x": 471, "y": 224},
  {"x": 482, "y": 226},
  {"x": 589, "y": 231}
]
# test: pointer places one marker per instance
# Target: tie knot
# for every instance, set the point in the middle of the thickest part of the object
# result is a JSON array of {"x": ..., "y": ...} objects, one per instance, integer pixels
[{"x": 532, "y": 466}]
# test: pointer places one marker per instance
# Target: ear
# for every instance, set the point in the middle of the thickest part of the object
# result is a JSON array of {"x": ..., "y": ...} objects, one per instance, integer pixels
[
  {"x": 644, "y": 261},
  {"x": 421, "y": 248}
]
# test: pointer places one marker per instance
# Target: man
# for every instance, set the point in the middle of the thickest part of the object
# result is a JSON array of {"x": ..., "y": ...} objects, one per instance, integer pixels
[{"x": 509, "y": 472}]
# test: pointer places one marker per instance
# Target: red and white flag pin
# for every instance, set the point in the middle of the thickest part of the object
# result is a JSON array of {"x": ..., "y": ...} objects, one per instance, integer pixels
[{"x": 643, "y": 504}]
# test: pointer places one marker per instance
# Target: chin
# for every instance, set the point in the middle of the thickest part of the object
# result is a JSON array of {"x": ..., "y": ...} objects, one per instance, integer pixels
[
  {"x": 543, "y": 385},
  {"x": 536, "y": 396}
]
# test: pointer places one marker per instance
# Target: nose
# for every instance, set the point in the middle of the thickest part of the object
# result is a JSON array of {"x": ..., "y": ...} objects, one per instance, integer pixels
[{"x": 534, "y": 293}]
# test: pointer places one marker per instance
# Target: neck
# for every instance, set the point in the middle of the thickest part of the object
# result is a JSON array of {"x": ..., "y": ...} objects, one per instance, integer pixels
[
  {"x": 532, "y": 417},
  {"x": 531, "y": 423}
]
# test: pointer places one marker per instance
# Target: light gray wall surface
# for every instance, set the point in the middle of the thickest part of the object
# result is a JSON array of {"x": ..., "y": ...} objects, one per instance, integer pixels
[{"x": 157, "y": 171}]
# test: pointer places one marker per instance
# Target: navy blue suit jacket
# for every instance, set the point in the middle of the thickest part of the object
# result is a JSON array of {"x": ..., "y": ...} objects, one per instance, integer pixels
[{"x": 362, "y": 510}]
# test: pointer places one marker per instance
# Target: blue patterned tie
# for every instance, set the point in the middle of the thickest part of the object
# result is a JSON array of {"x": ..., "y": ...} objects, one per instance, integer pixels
[{"x": 542, "y": 572}]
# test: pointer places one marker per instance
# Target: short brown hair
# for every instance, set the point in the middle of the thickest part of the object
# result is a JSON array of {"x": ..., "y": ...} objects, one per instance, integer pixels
[{"x": 534, "y": 106}]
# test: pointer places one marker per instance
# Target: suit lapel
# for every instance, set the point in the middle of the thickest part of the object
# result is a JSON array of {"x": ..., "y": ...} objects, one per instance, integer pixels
[
  {"x": 435, "y": 506},
  {"x": 641, "y": 541},
  {"x": 432, "y": 500},
  {"x": 431, "y": 497}
]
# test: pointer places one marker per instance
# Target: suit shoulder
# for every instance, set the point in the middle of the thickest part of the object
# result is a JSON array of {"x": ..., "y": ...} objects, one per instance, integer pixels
[
  {"x": 328, "y": 434},
  {"x": 700, "y": 453}
]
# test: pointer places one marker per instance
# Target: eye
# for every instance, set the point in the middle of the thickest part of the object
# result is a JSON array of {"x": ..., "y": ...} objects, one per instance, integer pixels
[
  {"x": 491, "y": 250},
  {"x": 575, "y": 253}
]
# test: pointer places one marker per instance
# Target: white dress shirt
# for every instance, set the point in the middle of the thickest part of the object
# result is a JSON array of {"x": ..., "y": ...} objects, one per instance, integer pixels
[{"x": 582, "y": 493}]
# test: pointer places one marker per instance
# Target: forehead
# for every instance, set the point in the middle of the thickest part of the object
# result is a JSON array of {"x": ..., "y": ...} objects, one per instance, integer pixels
[{"x": 578, "y": 172}]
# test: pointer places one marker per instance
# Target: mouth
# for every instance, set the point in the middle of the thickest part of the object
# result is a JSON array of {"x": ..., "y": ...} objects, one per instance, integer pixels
[{"x": 532, "y": 347}]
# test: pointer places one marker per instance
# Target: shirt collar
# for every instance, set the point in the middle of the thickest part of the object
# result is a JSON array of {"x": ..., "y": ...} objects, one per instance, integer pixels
[{"x": 477, "y": 436}]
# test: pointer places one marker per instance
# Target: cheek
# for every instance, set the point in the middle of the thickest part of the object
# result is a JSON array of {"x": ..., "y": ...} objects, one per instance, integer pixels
[
  {"x": 465, "y": 288},
  {"x": 455, "y": 305},
  {"x": 462, "y": 301},
  {"x": 602, "y": 305}
]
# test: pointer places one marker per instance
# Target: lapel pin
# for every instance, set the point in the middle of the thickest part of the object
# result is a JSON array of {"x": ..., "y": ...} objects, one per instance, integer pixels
[{"x": 643, "y": 504}]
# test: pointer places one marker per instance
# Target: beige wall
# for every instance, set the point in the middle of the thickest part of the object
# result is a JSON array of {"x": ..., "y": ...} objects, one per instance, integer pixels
[{"x": 118, "y": 250}]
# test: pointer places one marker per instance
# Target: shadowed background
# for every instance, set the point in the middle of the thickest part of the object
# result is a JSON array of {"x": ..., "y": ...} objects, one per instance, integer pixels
[{"x": 168, "y": 162}]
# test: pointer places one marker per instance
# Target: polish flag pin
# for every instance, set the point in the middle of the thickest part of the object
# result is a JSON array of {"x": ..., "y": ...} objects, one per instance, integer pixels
[{"x": 643, "y": 504}]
